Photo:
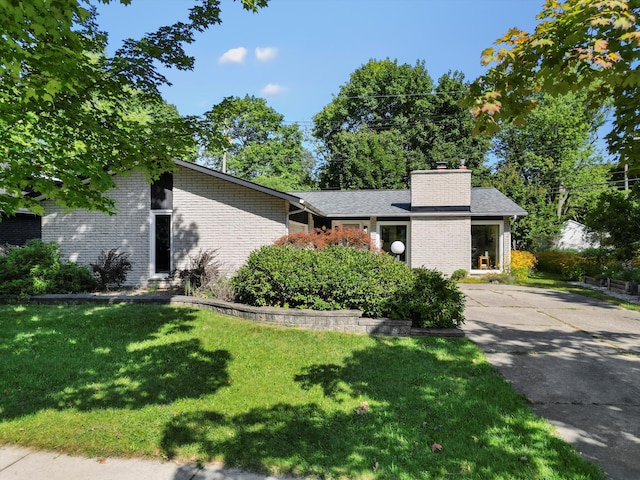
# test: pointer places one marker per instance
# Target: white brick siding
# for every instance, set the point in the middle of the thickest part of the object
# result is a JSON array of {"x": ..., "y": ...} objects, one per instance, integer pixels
[
  {"x": 440, "y": 188},
  {"x": 506, "y": 244},
  {"x": 82, "y": 235},
  {"x": 210, "y": 213},
  {"x": 441, "y": 243}
]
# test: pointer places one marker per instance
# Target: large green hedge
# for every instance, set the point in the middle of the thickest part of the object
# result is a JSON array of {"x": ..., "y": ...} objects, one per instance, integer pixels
[
  {"x": 340, "y": 277},
  {"x": 36, "y": 268}
]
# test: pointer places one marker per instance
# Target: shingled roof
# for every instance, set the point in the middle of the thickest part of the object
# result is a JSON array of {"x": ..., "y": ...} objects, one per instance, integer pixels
[{"x": 397, "y": 203}]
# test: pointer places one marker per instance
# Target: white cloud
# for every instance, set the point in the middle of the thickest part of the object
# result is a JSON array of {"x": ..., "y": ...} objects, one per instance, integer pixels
[
  {"x": 272, "y": 89},
  {"x": 266, "y": 54},
  {"x": 235, "y": 55}
]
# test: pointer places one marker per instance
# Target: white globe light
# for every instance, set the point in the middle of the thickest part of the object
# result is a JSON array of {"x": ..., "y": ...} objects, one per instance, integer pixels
[{"x": 397, "y": 247}]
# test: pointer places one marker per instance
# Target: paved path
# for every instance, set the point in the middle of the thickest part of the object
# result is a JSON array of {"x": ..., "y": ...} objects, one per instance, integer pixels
[
  {"x": 576, "y": 358},
  {"x": 23, "y": 464}
]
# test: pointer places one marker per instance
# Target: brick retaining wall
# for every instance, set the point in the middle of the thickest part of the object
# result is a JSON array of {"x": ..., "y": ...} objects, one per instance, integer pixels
[{"x": 336, "y": 320}]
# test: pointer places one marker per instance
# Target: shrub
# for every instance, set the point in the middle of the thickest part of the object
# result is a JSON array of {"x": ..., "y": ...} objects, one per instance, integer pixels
[
  {"x": 111, "y": 269},
  {"x": 202, "y": 272},
  {"x": 522, "y": 264},
  {"x": 459, "y": 274},
  {"x": 221, "y": 289},
  {"x": 329, "y": 279},
  {"x": 571, "y": 265},
  {"x": 321, "y": 238},
  {"x": 36, "y": 268},
  {"x": 628, "y": 270},
  {"x": 346, "y": 278},
  {"x": 71, "y": 278},
  {"x": 432, "y": 301}
]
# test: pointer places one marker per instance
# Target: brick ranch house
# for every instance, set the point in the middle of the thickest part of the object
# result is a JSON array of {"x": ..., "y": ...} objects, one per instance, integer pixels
[{"x": 443, "y": 222}]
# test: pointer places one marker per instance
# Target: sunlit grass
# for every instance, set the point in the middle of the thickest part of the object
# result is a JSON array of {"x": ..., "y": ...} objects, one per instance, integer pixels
[
  {"x": 178, "y": 383},
  {"x": 554, "y": 282}
]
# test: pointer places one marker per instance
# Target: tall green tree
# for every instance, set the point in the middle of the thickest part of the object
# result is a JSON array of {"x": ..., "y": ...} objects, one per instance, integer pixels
[
  {"x": 259, "y": 146},
  {"x": 550, "y": 167},
  {"x": 390, "y": 119},
  {"x": 71, "y": 117},
  {"x": 578, "y": 45},
  {"x": 614, "y": 221}
]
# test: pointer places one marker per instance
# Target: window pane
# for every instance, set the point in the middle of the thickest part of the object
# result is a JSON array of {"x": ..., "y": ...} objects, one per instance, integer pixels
[
  {"x": 485, "y": 245},
  {"x": 392, "y": 233},
  {"x": 162, "y": 192},
  {"x": 163, "y": 243}
]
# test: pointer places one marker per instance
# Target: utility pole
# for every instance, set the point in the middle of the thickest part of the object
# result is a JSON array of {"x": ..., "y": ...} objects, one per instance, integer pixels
[
  {"x": 626, "y": 176},
  {"x": 224, "y": 151}
]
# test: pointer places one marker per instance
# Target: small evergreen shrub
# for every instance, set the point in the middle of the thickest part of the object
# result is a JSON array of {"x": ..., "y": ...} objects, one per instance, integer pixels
[
  {"x": 72, "y": 278},
  {"x": 36, "y": 269},
  {"x": 201, "y": 274},
  {"x": 459, "y": 274},
  {"x": 522, "y": 264},
  {"x": 111, "y": 269},
  {"x": 432, "y": 301}
]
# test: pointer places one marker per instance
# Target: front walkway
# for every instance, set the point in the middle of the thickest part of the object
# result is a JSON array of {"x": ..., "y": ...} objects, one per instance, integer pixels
[{"x": 575, "y": 358}]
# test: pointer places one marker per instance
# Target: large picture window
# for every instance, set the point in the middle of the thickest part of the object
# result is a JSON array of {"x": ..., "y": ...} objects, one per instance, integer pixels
[{"x": 486, "y": 249}]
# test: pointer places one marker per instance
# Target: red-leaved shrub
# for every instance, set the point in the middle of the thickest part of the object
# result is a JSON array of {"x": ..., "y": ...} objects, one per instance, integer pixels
[{"x": 320, "y": 238}]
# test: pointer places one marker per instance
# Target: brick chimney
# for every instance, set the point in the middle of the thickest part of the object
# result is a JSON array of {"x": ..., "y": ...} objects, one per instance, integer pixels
[{"x": 441, "y": 190}]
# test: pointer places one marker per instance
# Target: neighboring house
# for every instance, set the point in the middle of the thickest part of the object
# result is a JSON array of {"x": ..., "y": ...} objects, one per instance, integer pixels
[
  {"x": 443, "y": 222},
  {"x": 575, "y": 236}
]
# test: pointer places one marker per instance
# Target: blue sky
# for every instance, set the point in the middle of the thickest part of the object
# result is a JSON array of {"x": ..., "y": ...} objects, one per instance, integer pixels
[{"x": 297, "y": 53}]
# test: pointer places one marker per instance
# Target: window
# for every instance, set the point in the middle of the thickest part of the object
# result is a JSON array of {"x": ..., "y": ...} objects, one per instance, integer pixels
[
  {"x": 160, "y": 251},
  {"x": 361, "y": 224},
  {"x": 486, "y": 245},
  {"x": 389, "y": 232},
  {"x": 297, "y": 227},
  {"x": 160, "y": 232}
]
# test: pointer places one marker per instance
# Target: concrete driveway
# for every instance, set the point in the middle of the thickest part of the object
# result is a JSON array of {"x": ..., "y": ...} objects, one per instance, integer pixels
[{"x": 577, "y": 359}]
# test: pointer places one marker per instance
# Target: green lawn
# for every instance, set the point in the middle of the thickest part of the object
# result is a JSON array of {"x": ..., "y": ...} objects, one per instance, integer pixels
[
  {"x": 165, "y": 382},
  {"x": 555, "y": 282}
]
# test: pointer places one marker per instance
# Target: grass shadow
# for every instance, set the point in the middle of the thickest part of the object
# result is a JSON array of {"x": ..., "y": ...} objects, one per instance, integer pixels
[
  {"x": 417, "y": 394},
  {"x": 122, "y": 356}
]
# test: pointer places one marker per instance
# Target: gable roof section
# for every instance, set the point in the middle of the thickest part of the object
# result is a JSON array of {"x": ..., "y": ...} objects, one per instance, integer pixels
[
  {"x": 492, "y": 202},
  {"x": 244, "y": 183},
  {"x": 360, "y": 203},
  {"x": 485, "y": 202}
]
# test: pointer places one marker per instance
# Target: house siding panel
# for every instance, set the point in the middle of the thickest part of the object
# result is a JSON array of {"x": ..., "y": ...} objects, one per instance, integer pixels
[
  {"x": 441, "y": 243},
  {"x": 210, "y": 213},
  {"x": 82, "y": 234}
]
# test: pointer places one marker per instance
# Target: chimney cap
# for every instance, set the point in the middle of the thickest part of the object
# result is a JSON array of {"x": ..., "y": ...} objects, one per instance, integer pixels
[{"x": 441, "y": 165}]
